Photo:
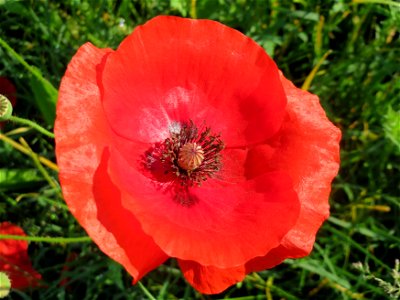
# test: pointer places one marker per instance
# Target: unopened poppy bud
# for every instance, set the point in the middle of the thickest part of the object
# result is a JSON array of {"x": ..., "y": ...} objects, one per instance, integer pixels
[
  {"x": 5, "y": 108},
  {"x": 5, "y": 285}
]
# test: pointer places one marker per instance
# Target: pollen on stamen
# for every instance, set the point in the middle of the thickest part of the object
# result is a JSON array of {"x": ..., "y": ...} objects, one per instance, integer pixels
[{"x": 188, "y": 157}]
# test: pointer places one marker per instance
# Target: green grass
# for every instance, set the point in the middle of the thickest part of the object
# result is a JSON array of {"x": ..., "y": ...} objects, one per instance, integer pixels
[{"x": 359, "y": 86}]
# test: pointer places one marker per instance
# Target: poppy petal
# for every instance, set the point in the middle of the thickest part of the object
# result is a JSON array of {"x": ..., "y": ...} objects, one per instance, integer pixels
[
  {"x": 210, "y": 279},
  {"x": 307, "y": 147},
  {"x": 175, "y": 70},
  {"x": 14, "y": 259},
  {"x": 272, "y": 259},
  {"x": 140, "y": 248},
  {"x": 79, "y": 147},
  {"x": 203, "y": 223}
]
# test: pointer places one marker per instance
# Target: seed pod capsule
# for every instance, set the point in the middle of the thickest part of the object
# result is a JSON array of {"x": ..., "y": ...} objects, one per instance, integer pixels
[
  {"x": 191, "y": 156},
  {"x": 5, "y": 108},
  {"x": 5, "y": 285}
]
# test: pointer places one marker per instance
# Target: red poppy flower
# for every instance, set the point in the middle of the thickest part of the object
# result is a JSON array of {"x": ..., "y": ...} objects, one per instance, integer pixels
[
  {"x": 187, "y": 142},
  {"x": 14, "y": 259}
]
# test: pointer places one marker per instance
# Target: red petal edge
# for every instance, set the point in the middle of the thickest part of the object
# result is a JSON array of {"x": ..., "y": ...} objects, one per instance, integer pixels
[
  {"x": 210, "y": 280},
  {"x": 82, "y": 134},
  {"x": 140, "y": 248},
  {"x": 307, "y": 146}
]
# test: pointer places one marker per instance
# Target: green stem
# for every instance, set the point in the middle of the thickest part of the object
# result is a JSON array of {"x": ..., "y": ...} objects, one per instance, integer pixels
[
  {"x": 358, "y": 247},
  {"x": 31, "y": 69},
  {"x": 387, "y": 2},
  {"x": 307, "y": 83},
  {"x": 146, "y": 291},
  {"x": 33, "y": 125},
  {"x": 193, "y": 12},
  {"x": 53, "y": 202},
  {"x": 38, "y": 164},
  {"x": 22, "y": 149},
  {"x": 54, "y": 240}
]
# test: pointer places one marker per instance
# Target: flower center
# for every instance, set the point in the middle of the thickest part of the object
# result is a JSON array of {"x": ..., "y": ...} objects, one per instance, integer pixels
[{"x": 188, "y": 157}]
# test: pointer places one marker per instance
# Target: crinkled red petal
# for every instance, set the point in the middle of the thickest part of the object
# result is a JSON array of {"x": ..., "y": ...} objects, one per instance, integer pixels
[
  {"x": 14, "y": 259},
  {"x": 82, "y": 134},
  {"x": 202, "y": 223},
  {"x": 209, "y": 279},
  {"x": 307, "y": 147},
  {"x": 143, "y": 254},
  {"x": 175, "y": 70}
]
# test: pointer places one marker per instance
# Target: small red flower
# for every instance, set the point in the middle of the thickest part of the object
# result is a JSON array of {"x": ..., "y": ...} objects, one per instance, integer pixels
[
  {"x": 187, "y": 142},
  {"x": 14, "y": 260}
]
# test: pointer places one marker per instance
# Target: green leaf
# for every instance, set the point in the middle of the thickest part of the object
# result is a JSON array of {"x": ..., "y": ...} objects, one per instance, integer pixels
[
  {"x": 45, "y": 97},
  {"x": 316, "y": 267},
  {"x": 391, "y": 126},
  {"x": 114, "y": 274},
  {"x": 45, "y": 93},
  {"x": 17, "y": 179},
  {"x": 180, "y": 5}
]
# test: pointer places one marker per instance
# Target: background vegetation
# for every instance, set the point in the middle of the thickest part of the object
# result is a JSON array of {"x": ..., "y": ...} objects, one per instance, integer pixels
[{"x": 353, "y": 48}]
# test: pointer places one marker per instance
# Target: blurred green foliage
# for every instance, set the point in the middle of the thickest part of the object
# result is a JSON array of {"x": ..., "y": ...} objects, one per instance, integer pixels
[{"x": 358, "y": 85}]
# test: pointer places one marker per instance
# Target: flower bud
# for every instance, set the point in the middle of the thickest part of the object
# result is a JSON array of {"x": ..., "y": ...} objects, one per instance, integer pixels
[
  {"x": 5, "y": 108},
  {"x": 5, "y": 285}
]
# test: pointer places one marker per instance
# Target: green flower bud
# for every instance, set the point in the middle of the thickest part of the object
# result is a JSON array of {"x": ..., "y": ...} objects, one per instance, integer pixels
[
  {"x": 5, "y": 285},
  {"x": 5, "y": 108}
]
